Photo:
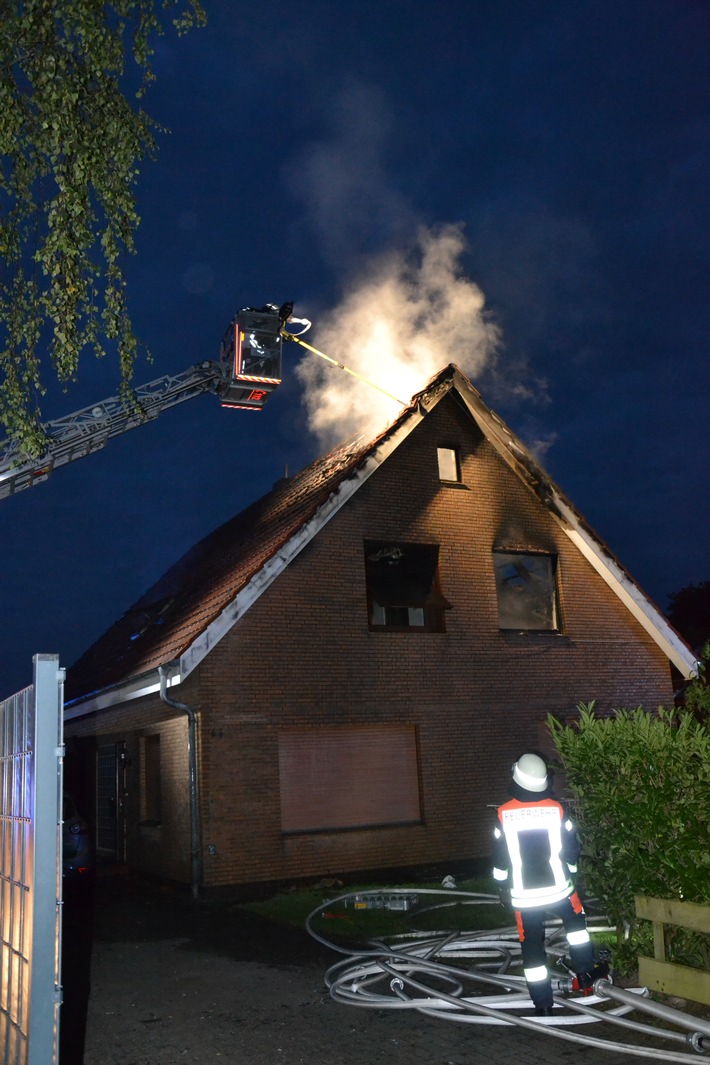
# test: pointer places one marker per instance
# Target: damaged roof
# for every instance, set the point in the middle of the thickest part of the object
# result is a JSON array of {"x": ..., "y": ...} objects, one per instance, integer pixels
[{"x": 198, "y": 599}]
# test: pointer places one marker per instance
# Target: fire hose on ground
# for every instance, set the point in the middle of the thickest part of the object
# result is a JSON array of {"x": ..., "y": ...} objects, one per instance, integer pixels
[{"x": 418, "y": 971}]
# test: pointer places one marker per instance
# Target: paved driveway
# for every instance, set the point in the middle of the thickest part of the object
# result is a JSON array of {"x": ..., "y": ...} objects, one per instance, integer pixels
[{"x": 174, "y": 982}]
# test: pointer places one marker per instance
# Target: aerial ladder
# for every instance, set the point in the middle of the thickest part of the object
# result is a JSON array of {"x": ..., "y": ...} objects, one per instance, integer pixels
[{"x": 246, "y": 373}]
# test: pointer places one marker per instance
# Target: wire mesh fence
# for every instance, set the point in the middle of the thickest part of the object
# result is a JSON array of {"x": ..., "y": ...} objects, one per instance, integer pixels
[{"x": 31, "y": 737}]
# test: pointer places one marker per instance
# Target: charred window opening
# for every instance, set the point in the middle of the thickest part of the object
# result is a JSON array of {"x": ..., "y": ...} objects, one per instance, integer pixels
[
  {"x": 527, "y": 593},
  {"x": 403, "y": 590}
]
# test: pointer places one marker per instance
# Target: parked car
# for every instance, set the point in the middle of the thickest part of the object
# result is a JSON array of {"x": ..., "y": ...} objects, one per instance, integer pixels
[{"x": 78, "y": 860}]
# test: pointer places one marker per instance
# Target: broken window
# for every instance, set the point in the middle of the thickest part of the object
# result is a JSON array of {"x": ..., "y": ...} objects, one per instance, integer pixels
[
  {"x": 403, "y": 586},
  {"x": 527, "y": 595},
  {"x": 149, "y": 615}
]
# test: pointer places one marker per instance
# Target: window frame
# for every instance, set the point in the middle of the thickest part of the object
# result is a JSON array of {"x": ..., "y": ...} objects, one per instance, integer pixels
[
  {"x": 555, "y": 623},
  {"x": 416, "y": 616},
  {"x": 455, "y": 455}
]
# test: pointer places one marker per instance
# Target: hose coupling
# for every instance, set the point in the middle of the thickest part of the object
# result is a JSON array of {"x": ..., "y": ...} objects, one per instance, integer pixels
[
  {"x": 698, "y": 1042},
  {"x": 566, "y": 987},
  {"x": 580, "y": 984}
]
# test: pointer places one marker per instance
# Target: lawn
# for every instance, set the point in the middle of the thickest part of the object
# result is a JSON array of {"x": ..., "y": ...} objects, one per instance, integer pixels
[{"x": 359, "y": 913}]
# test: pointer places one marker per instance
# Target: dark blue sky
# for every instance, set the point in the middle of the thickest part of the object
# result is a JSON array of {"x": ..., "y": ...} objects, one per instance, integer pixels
[{"x": 571, "y": 143}]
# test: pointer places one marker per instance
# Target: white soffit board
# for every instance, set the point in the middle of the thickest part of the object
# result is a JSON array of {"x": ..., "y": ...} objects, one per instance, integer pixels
[
  {"x": 265, "y": 577},
  {"x": 135, "y": 688},
  {"x": 507, "y": 444}
]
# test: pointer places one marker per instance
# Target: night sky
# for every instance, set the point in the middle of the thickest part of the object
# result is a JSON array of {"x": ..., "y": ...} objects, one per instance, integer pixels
[{"x": 567, "y": 141}]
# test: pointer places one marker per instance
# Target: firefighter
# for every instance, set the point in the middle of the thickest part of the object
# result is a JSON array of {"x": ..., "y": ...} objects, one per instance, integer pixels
[{"x": 535, "y": 856}]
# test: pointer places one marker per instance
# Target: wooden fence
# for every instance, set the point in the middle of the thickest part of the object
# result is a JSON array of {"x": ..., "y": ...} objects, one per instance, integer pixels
[{"x": 669, "y": 977}]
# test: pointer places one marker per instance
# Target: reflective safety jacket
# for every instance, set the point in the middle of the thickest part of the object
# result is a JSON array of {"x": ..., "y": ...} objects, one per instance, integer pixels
[{"x": 535, "y": 851}]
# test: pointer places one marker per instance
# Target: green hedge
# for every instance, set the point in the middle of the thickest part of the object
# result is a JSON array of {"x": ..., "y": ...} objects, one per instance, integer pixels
[{"x": 641, "y": 787}]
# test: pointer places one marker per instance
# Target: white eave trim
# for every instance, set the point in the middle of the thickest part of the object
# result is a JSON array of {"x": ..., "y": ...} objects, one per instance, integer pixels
[
  {"x": 135, "y": 688},
  {"x": 633, "y": 599},
  {"x": 149, "y": 683},
  {"x": 648, "y": 616},
  {"x": 272, "y": 569}
]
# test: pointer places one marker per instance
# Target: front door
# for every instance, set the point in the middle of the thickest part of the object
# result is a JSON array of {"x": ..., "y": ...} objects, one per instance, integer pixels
[{"x": 110, "y": 801}]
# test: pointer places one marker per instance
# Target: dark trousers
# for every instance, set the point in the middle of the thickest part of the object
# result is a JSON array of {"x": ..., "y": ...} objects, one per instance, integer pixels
[{"x": 531, "y": 930}]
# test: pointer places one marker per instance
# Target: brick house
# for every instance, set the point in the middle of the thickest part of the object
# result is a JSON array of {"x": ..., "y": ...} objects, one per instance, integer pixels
[{"x": 339, "y": 678}]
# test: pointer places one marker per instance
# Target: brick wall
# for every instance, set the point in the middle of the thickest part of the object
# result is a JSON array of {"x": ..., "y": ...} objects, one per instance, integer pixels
[
  {"x": 303, "y": 656},
  {"x": 162, "y": 850}
]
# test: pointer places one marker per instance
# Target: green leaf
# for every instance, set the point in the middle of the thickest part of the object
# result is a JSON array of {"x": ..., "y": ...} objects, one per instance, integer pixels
[{"x": 72, "y": 145}]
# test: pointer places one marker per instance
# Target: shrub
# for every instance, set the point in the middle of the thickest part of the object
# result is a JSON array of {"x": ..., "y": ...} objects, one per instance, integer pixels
[
  {"x": 697, "y": 694},
  {"x": 641, "y": 787}
]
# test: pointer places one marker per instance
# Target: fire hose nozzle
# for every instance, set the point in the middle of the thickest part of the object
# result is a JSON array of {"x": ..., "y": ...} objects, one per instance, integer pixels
[
  {"x": 566, "y": 987},
  {"x": 575, "y": 986}
]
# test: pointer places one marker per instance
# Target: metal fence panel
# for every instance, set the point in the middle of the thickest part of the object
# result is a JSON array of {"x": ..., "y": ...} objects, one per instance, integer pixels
[{"x": 31, "y": 738}]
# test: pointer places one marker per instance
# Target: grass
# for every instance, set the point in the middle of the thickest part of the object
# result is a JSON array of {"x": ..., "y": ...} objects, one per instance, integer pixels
[
  {"x": 348, "y": 921},
  {"x": 339, "y": 922}
]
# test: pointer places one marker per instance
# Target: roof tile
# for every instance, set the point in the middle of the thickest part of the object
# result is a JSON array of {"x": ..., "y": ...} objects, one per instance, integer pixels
[{"x": 177, "y": 609}]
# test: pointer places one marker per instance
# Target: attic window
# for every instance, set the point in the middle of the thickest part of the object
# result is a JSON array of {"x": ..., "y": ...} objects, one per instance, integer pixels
[
  {"x": 403, "y": 591},
  {"x": 449, "y": 465},
  {"x": 527, "y": 593}
]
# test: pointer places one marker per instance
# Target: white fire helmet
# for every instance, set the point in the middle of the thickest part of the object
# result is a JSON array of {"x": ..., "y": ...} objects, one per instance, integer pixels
[{"x": 530, "y": 772}]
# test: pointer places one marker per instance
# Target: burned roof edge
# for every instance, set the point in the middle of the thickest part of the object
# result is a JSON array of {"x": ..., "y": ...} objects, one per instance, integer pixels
[
  {"x": 516, "y": 456},
  {"x": 589, "y": 544},
  {"x": 373, "y": 457}
]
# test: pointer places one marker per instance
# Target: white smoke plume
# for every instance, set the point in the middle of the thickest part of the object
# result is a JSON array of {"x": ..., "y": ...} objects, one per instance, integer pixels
[
  {"x": 403, "y": 320},
  {"x": 404, "y": 314},
  {"x": 350, "y": 206}
]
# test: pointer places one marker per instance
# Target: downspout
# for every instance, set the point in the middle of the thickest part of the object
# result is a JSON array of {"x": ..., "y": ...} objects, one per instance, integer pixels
[{"x": 195, "y": 834}]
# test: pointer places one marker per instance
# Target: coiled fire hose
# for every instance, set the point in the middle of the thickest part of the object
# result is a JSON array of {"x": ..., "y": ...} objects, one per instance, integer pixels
[{"x": 417, "y": 971}]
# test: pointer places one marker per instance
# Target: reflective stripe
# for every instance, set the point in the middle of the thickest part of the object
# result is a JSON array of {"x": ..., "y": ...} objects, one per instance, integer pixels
[
  {"x": 516, "y": 819},
  {"x": 527, "y": 780},
  {"x": 538, "y": 897},
  {"x": 575, "y": 939},
  {"x": 500, "y": 874},
  {"x": 497, "y": 833},
  {"x": 536, "y": 975},
  {"x": 568, "y": 825}
]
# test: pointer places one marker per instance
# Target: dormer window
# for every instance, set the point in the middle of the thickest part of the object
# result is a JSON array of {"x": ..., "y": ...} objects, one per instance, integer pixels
[{"x": 449, "y": 465}]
